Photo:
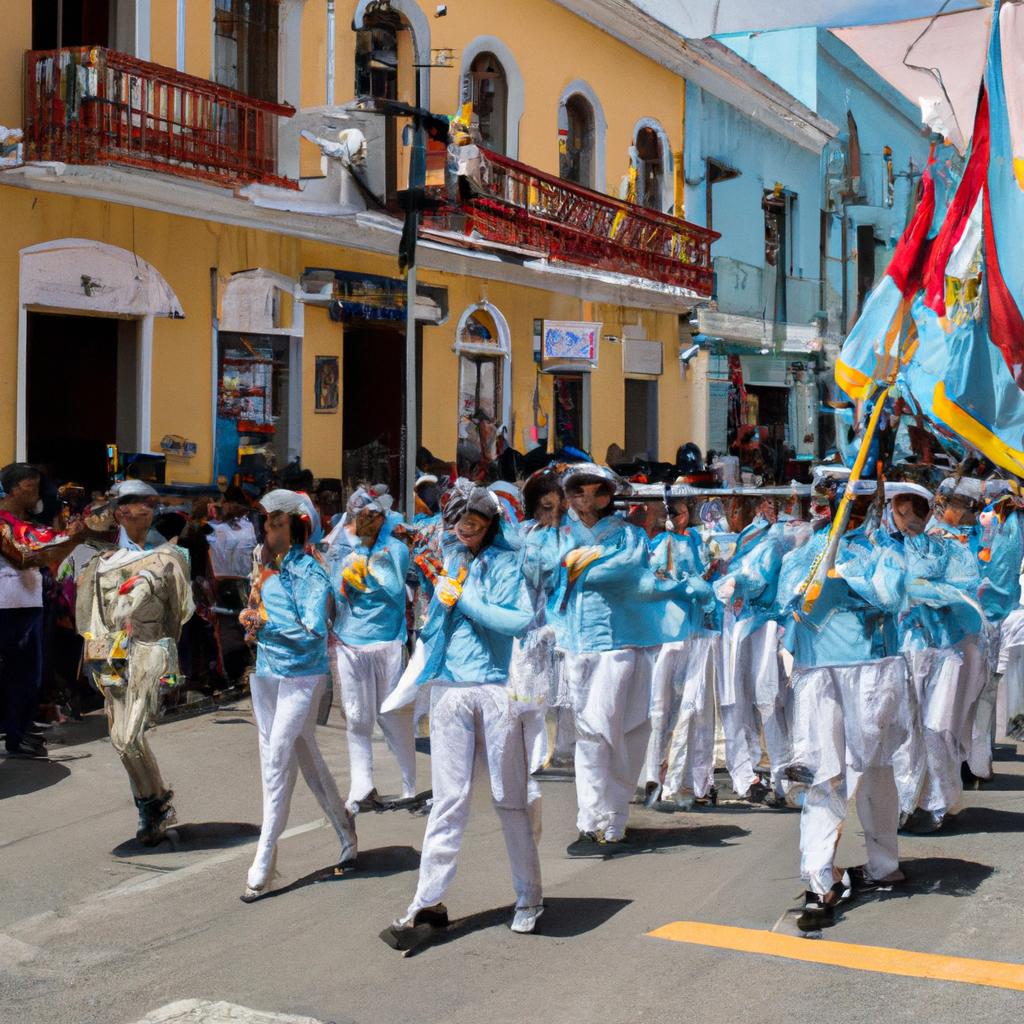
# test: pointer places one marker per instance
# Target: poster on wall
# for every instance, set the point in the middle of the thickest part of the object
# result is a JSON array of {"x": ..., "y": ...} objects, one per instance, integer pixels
[
  {"x": 326, "y": 384},
  {"x": 569, "y": 345}
]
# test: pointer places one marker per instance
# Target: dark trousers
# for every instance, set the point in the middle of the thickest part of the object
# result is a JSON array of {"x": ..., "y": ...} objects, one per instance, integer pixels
[{"x": 21, "y": 669}]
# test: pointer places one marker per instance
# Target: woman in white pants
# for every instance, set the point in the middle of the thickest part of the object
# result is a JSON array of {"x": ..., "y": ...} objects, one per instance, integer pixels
[
  {"x": 367, "y": 647},
  {"x": 480, "y": 603},
  {"x": 288, "y": 613}
]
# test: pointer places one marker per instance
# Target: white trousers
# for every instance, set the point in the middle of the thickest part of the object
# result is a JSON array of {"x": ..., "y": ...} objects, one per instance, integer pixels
[
  {"x": 983, "y": 721},
  {"x": 751, "y": 697},
  {"x": 611, "y": 695},
  {"x": 471, "y": 727},
  {"x": 285, "y": 711},
  {"x": 823, "y": 814},
  {"x": 691, "y": 743},
  {"x": 932, "y": 782},
  {"x": 364, "y": 677}
]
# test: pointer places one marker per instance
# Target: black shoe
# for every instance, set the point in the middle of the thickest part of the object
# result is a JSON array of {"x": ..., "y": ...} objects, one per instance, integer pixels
[
  {"x": 343, "y": 867},
  {"x": 652, "y": 794},
  {"x": 758, "y": 793},
  {"x": 711, "y": 798},
  {"x": 820, "y": 911},
  {"x": 155, "y": 814},
  {"x": 589, "y": 844},
  {"x": 798, "y": 773},
  {"x": 28, "y": 746},
  {"x": 861, "y": 881},
  {"x": 411, "y": 930},
  {"x": 923, "y": 823}
]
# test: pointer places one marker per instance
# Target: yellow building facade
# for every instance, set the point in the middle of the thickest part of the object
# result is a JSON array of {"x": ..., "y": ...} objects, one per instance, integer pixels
[{"x": 146, "y": 304}]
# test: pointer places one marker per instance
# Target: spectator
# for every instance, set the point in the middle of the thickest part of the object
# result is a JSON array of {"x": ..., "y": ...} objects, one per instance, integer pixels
[{"x": 24, "y": 549}]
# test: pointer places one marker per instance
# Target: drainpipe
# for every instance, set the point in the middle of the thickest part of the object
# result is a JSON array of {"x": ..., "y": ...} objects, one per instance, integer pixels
[{"x": 330, "y": 53}]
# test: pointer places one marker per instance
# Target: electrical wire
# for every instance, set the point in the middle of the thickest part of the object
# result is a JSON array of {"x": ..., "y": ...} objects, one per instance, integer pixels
[{"x": 934, "y": 72}]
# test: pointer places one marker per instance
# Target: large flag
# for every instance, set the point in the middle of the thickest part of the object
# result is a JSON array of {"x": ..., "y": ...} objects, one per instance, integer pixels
[{"x": 945, "y": 325}]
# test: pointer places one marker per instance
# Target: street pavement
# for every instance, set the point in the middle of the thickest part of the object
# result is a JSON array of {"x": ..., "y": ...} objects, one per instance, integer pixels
[{"x": 95, "y": 928}]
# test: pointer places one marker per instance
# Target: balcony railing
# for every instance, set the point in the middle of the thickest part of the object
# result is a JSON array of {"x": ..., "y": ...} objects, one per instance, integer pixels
[
  {"x": 514, "y": 204},
  {"x": 90, "y": 105}
]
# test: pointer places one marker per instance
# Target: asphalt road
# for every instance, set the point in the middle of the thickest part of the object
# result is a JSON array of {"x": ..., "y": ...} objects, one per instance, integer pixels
[{"x": 95, "y": 928}]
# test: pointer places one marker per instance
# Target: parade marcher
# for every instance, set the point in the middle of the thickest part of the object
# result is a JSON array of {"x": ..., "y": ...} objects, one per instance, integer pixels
[
  {"x": 680, "y": 753},
  {"x": 609, "y": 628},
  {"x": 750, "y": 678},
  {"x": 998, "y": 544},
  {"x": 368, "y": 643},
  {"x": 850, "y": 705},
  {"x": 131, "y": 605},
  {"x": 937, "y": 625},
  {"x": 288, "y": 614},
  {"x": 535, "y": 670},
  {"x": 25, "y": 548},
  {"x": 480, "y": 603}
]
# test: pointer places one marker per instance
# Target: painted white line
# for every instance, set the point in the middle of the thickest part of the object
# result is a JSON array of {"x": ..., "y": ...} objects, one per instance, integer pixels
[{"x": 203, "y": 1011}]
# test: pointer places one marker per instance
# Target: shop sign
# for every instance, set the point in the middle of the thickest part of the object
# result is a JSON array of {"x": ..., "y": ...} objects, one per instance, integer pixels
[{"x": 569, "y": 345}]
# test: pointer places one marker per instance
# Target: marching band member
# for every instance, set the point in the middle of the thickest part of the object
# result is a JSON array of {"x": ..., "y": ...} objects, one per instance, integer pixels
[
  {"x": 367, "y": 645},
  {"x": 610, "y": 632},
  {"x": 850, "y": 706},
  {"x": 480, "y": 603},
  {"x": 288, "y": 614},
  {"x": 681, "y": 748},
  {"x": 750, "y": 680},
  {"x": 939, "y": 618}
]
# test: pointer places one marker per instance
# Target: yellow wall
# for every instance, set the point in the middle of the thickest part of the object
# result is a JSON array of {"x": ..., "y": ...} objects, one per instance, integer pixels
[{"x": 163, "y": 19}]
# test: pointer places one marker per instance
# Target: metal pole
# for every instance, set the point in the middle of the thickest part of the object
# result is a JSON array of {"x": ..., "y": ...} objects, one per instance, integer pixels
[{"x": 411, "y": 438}]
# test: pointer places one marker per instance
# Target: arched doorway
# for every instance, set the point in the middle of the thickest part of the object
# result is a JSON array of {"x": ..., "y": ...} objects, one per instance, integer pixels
[
  {"x": 85, "y": 332},
  {"x": 489, "y": 93},
  {"x": 650, "y": 168},
  {"x": 576, "y": 158}
]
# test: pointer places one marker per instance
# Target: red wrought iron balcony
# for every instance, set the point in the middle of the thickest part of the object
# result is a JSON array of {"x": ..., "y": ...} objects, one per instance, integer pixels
[
  {"x": 516, "y": 205},
  {"x": 91, "y": 105}
]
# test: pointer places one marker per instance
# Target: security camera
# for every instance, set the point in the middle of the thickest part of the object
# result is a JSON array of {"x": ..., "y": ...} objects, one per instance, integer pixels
[
  {"x": 442, "y": 10},
  {"x": 688, "y": 353}
]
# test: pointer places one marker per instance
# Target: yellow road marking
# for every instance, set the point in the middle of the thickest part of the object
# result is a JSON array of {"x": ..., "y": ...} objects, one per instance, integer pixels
[{"x": 880, "y": 959}]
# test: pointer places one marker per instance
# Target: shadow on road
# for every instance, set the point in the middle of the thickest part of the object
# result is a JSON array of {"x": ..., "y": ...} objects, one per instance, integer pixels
[
  {"x": 650, "y": 840},
  {"x": 942, "y": 876},
  {"x": 985, "y": 819},
  {"x": 378, "y": 863},
  {"x": 19, "y": 777},
  {"x": 205, "y": 835},
  {"x": 564, "y": 917}
]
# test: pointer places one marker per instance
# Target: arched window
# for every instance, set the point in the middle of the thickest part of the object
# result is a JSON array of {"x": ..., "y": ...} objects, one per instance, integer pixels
[
  {"x": 483, "y": 345},
  {"x": 577, "y": 141},
  {"x": 377, "y": 56},
  {"x": 650, "y": 169},
  {"x": 489, "y": 93}
]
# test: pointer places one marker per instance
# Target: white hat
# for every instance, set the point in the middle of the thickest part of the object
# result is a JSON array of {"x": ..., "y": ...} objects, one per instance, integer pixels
[
  {"x": 424, "y": 478},
  {"x": 132, "y": 490},
  {"x": 465, "y": 496},
  {"x": 590, "y": 472},
  {"x": 896, "y": 488},
  {"x": 294, "y": 503},
  {"x": 376, "y": 499}
]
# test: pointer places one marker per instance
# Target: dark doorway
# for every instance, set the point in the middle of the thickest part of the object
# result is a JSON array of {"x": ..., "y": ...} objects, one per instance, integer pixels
[
  {"x": 373, "y": 404},
  {"x": 57, "y": 23},
  {"x": 568, "y": 393},
  {"x": 865, "y": 263},
  {"x": 72, "y": 412},
  {"x": 642, "y": 419}
]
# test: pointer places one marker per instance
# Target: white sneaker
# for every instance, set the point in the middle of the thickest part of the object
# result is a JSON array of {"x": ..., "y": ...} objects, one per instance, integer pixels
[{"x": 524, "y": 921}]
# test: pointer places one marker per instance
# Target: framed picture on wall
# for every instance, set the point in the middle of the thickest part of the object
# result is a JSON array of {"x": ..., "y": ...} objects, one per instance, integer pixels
[{"x": 325, "y": 382}]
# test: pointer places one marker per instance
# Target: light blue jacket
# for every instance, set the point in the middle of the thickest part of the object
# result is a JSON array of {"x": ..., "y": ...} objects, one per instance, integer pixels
[
  {"x": 616, "y": 602},
  {"x": 472, "y": 642},
  {"x": 999, "y": 592},
  {"x": 376, "y": 615},
  {"x": 677, "y": 556},
  {"x": 940, "y": 606},
  {"x": 539, "y": 547},
  {"x": 293, "y": 642},
  {"x": 853, "y": 618},
  {"x": 754, "y": 567}
]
